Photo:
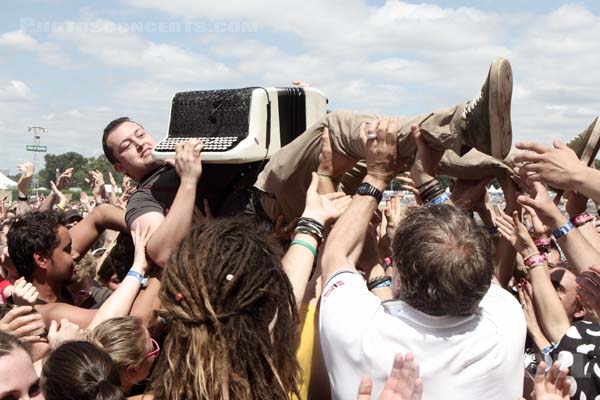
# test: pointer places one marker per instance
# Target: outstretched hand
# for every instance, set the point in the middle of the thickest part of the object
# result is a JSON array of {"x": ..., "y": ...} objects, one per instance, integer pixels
[
  {"x": 554, "y": 386},
  {"x": 24, "y": 293},
  {"x": 403, "y": 382},
  {"x": 324, "y": 208},
  {"x": 557, "y": 166},
  {"x": 24, "y": 323},
  {"x": 515, "y": 232},
  {"x": 140, "y": 240},
  {"x": 63, "y": 180},
  {"x": 66, "y": 331},
  {"x": 381, "y": 145},
  {"x": 540, "y": 201}
]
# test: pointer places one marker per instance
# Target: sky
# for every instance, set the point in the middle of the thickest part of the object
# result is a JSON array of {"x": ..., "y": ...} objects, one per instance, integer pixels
[{"x": 72, "y": 66}]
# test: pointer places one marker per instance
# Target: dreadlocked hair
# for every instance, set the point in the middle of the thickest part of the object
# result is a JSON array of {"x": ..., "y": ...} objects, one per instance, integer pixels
[{"x": 234, "y": 325}]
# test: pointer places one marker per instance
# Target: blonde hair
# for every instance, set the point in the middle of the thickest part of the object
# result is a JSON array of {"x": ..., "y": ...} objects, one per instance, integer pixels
[
  {"x": 85, "y": 269},
  {"x": 122, "y": 338}
]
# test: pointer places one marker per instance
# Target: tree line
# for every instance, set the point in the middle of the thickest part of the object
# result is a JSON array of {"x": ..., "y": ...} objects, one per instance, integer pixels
[{"x": 81, "y": 166}]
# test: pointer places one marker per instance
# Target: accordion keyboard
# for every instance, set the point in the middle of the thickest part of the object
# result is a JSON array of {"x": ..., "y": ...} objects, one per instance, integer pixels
[{"x": 216, "y": 144}]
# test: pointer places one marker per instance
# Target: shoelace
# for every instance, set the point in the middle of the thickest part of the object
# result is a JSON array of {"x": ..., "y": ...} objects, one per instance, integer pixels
[{"x": 471, "y": 104}]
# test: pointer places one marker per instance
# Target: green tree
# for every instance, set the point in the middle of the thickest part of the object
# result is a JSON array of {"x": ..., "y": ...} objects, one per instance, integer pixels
[
  {"x": 80, "y": 164},
  {"x": 61, "y": 162}
]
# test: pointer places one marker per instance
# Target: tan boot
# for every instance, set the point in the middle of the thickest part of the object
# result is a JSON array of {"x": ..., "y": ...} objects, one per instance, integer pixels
[
  {"x": 485, "y": 122},
  {"x": 587, "y": 143}
]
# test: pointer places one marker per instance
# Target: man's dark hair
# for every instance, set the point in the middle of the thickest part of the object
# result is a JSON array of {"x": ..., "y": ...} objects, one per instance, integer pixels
[
  {"x": 444, "y": 261},
  {"x": 119, "y": 259},
  {"x": 33, "y": 232},
  {"x": 112, "y": 125}
]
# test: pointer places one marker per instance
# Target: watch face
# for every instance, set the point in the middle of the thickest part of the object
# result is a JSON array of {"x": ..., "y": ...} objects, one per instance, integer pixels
[
  {"x": 366, "y": 189},
  {"x": 363, "y": 189}
]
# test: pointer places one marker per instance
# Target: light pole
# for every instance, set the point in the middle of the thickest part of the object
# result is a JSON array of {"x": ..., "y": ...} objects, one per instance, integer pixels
[{"x": 36, "y": 148}]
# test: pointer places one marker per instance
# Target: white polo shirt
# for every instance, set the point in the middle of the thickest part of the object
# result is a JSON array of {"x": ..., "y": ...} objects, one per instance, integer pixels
[{"x": 475, "y": 357}]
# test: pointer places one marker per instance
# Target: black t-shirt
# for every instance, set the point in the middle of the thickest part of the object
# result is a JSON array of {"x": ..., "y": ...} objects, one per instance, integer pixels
[
  {"x": 579, "y": 350},
  {"x": 224, "y": 185}
]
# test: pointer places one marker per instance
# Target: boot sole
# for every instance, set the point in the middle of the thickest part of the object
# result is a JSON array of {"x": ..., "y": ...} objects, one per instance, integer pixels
[
  {"x": 500, "y": 94},
  {"x": 593, "y": 144}
]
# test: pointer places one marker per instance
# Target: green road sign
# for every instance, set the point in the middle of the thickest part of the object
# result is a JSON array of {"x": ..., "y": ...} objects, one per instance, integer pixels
[{"x": 32, "y": 147}]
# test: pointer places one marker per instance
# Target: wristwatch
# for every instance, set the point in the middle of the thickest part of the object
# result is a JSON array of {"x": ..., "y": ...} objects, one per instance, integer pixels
[
  {"x": 143, "y": 279},
  {"x": 366, "y": 189}
]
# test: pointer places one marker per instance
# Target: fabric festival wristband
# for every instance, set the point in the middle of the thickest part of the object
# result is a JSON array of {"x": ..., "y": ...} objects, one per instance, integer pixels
[
  {"x": 582, "y": 219},
  {"x": 141, "y": 278},
  {"x": 440, "y": 199},
  {"x": 375, "y": 282},
  {"x": 542, "y": 241},
  {"x": 382, "y": 285},
  {"x": 325, "y": 176},
  {"x": 548, "y": 348},
  {"x": 24, "y": 198},
  {"x": 306, "y": 245},
  {"x": 536, "y": 265},
  {"x": 535, "y": 259},
  {"x": 563, "y": 230}
]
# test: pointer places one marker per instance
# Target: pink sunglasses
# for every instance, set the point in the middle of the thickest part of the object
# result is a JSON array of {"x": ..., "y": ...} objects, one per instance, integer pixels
[{"x": 155, "y": 349}]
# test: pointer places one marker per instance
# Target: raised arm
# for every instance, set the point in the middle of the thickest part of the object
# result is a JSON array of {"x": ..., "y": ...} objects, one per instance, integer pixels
[
  {"x": 168, "y": 231},
  {"x": 558, "y": 166},
  {"x": 120, "y": 302},
  {"x": 298, "y": 260},
  {"x": 553, "y": 317},
  {"x": 87, "y": 231},
  {"x": 348, "y": 234},
  {"x": 579, "y": 252},
  {"x": 583, "y": 221},
  {"x": 23, "y": 187}
]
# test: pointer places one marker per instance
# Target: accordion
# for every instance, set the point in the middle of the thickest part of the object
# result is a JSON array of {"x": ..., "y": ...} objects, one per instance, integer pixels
[{"x": 240, "y": 126}]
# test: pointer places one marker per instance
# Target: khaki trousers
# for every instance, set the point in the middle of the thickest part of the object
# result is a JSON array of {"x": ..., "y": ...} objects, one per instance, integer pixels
[{"x": 287, "y": 175}]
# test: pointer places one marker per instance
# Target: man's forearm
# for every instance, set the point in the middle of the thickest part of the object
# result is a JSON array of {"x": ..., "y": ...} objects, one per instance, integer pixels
[
  {"x": 587, "y": 183},
  {"x": 87, "y": 231},
  {"x": 48, "y": 202},
  {"x": 348, "y": 234},
  {"x": 552, "y": 315},
  {"x": 591, "y": 235},
  {"x": 579, "y": 252},
  {"x": 176, "y": 224},
  {"x": 504, "y": 262}
]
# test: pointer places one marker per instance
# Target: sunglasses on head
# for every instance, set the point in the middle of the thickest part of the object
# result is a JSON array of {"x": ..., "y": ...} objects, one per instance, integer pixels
[{"x": 155, "y": 349}]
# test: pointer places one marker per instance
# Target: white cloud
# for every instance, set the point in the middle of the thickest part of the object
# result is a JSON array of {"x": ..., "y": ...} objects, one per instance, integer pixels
[
  {"x": 395, "y": 58},
  {"x": 48, "y": 52},
  {"x": 114, "y": 45},
  {"x": 15, "y": 91}
]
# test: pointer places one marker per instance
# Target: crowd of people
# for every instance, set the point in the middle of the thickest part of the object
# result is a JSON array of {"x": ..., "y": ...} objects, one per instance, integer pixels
[{"x": 303, "y": 284}]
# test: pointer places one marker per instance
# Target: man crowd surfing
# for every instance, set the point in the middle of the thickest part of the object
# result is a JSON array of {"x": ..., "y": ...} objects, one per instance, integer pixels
[{"x": 311, "y": 285}]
